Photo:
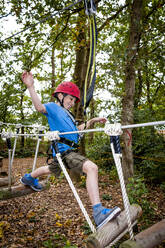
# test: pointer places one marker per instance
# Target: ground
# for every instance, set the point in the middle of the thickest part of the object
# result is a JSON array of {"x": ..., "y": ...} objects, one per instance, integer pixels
[{"x": 52, "y": 218}]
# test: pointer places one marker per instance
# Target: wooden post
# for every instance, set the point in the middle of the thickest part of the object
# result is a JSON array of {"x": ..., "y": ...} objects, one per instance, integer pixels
[
  {"x": 19, "y": 190},
  {"x": 148, "y": 238},
  {"x": 109, "y": 232}
]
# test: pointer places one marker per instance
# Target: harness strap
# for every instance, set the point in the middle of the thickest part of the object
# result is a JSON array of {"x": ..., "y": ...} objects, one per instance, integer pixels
[{"x": 70, "y": 143}]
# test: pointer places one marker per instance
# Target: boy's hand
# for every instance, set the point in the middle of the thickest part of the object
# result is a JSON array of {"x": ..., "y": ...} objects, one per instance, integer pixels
[
  {"x": 27, "y": 79},
  {"x": 99, "y": 119}
]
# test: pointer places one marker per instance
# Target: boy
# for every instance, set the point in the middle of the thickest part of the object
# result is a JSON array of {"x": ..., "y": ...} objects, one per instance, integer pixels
[{"x": 60, "y": 119}]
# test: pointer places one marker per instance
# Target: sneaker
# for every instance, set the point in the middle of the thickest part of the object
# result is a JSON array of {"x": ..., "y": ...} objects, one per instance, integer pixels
[
  {"x": 33, "y": 183},
  {"x": 105, "y": 216}
]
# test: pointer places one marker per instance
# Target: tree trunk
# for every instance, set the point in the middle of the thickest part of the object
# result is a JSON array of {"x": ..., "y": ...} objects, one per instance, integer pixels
[
  {"x": 53, "y": 70},
  {"x": 148, "y": 238},
  {"x": 128, "y": 98},
  {"x": 82, "y": 54},
  {"x": 19, "y": 190}
]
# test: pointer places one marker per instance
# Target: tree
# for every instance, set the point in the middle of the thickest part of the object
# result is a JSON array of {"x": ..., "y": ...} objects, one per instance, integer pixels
[{"x": 128, "y": 97}]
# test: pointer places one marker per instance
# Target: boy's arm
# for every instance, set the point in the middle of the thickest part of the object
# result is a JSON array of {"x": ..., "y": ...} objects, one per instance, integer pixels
[
  {"x": 90, "y": 122},
  {"x": 28, "y": 80}
]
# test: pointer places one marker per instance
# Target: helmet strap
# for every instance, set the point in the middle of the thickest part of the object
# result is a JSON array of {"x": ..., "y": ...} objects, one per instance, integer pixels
[{"x": 62, "y": 101}]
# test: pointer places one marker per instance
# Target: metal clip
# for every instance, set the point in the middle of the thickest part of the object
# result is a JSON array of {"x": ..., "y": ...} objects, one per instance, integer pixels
[{"x": 90, "y": 7}]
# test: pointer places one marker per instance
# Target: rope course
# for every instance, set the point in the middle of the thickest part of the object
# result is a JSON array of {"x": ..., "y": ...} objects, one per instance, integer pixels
[
  {"x": 147, "y": 124},
  {"x": 112, "y": 130}
]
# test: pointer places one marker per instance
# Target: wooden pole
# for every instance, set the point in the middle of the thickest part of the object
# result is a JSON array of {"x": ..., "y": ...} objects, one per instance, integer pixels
[
  {"x": 109, "y": 232},
  {"x": 148, "y": 238},
  {"x": 19, "y": 190}
]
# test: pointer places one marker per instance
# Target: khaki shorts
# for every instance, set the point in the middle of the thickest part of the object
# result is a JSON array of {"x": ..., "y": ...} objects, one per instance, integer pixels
[{"x": 73, "y": 161}]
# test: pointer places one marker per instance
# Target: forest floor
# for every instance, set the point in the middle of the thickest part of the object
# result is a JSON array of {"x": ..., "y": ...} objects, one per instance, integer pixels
[{"x": 52, "y": 218}]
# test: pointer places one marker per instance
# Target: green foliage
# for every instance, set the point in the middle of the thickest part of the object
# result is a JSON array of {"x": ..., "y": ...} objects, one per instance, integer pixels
[
  {"x": 162, "y": 186},
  {"x": 58, "y": 240},
  {"x": 86, "y": 229},
  {"x": 106, "y": 197},
  {"x": 100, "y": 152},
  {"x": 137, "y": 194},
  {"x": 149, "y": 150}
]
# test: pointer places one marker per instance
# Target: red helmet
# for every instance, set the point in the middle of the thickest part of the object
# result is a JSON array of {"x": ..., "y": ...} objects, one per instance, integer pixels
[{"x": 68, "y": 88}]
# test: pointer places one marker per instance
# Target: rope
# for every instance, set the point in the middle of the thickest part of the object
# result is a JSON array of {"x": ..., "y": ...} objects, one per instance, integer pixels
[
  {"x": 58, "y": 155},
  {"x": 90, "y": 10},
  {"x": 41, "y": 21},
  {"x": 21, "y": 125},
  {"x": 88, "y": 130},
  {"x": 36, "y": 152},
  {"x": 124, "y": 193}
]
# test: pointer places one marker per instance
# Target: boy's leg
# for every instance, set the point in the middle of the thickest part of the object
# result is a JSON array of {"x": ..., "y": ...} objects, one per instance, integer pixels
[
  {"x": 31, "y": 178},
  {"x": 91, "y": 170},
  {"x": 79, "y": 165},
  {"x": 44, "y": 170},
  {"x": 101, "y": 215}
]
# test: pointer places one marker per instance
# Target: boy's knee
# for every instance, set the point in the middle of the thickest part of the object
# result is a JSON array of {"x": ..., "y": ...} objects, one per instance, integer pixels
[{"x": 89, "y": 166}]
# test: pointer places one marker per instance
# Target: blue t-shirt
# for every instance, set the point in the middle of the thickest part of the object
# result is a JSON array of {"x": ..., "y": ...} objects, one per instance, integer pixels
[{"x": 60, "y": 121}]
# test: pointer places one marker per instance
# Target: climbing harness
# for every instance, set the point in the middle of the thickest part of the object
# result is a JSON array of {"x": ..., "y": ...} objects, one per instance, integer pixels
[{"x": 90, "y": 78}]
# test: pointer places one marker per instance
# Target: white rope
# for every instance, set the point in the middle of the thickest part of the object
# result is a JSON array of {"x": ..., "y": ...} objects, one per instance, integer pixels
[
  {"x": 58, "y": 155},
  {"x": 36, "y": 154},
  {"x": 9, "y": 169},
  {"x": 21, "y": 125},
  {"x": 117, "y": 160},
  {"x": 115, "y": 130},
  {"x": 93, "y": 130}
]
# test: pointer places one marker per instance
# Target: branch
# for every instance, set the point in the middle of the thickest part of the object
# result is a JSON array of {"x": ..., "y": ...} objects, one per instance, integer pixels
[
  {"x": 158, "y": 5},
  {"x": 44, "y": 51},
  {"x": 5, "y": 15},
  {"x": 112, "y": 17}
]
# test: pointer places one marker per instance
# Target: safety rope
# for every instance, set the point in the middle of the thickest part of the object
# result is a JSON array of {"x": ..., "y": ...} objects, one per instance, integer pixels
[
  {"x": 37, "y": 149},
  {"x": 147, "y": 124},
  {"x": 58, "y": 155},
  {"x": 90, "y": 11},
  {"x": 21, "y": 125},
  {"x": 114, "y": 131},
  {"x": 117, "y": 159}
]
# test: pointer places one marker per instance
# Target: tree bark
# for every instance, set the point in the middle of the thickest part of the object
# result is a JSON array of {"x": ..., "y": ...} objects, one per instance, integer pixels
[
  {"x": 148, "y": 238},
  {"x": 5, "y": 181},
  {"x": 128, "y": 97},
  {"x": 82, "y": 54},
  {"x": 53, "y": 70},
  {"x": 19, "y": 190}
]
